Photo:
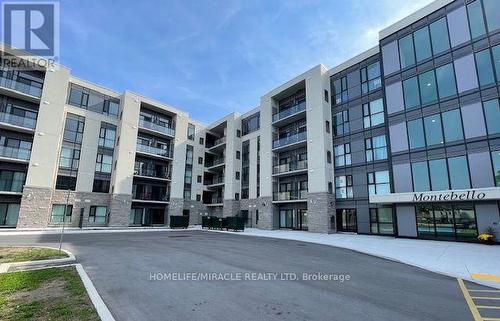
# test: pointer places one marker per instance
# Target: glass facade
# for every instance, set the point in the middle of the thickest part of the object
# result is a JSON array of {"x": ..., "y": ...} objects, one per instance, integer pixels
[
  {"x": 381, "y": 221},
  {"x": 455, "y": 221}
]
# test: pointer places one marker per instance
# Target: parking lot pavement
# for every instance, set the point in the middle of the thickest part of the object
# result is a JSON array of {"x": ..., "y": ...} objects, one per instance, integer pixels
[{"x": 129, "y": 270}]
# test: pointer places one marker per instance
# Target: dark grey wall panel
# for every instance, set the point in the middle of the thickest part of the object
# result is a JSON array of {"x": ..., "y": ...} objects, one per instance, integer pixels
[
  {"x": 407, "y": 222},
  {"x": 399, "y": 141},
  {"x": 402, "y": 178}
]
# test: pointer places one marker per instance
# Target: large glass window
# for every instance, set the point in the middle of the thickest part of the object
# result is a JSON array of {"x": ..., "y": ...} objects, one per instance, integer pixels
[
  {"x": 492, "y": 8},
  {"x": 190, "y": 132},
  {"x": 341, "y": 123},
  {"x": 420, "y": 173},
  {"x": 73, "y": 129},
  {"x": 58, "y": 214},
  {"x": 376, "y": 148},
  {"x": 378, "y": 183},
  {"x": 70, "y": 158},
  {"x": 9, "y": 213},
  {"x": 496, "y": 60},
  {"x": 439, "y": 175},
  {"x": 12, "y": 181},
  {"x": 484, "y": 68},
  {"x": 416, "y": 134},
  {"x": 370, "y": 78},
  {"x": 422, "y": 44},
  {"x": 428, "y": 88},
  {"x": 446, "y": 81},
  {"x": 381, "y": 221},
  {"x": 476, "y": 20},
  {"x": 452, "y": 126},
  {"x": 433, "y": 130},
  {"x": 107, "y": 135},
  {"x": 495, "y": 156},
  {"x": 446, "y": 221},
  {"x": 250, "y": 124},
  {"x": 406, "y": 51},
  {"x": 92, "y": 100},
  {"x": 343, "y": 187},
  {"x": 459, "y": 172},
  {"x": 439, "y": 36},
  {"x": 373, "y": 113},
  {"x": 97, "y": 214},
  {"x": 342, "y": 154},
  {"x": 492, "y": 115},
  {"x": 103, "y": 163},
  {"x": 411, "y": 94}
]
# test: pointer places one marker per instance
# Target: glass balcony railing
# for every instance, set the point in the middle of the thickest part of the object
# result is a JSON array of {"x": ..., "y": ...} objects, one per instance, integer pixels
[
  {"x": 25, "y": 86},
  {"x": 216, "y": 180},
  {"x": 290, "y": 167},
  {"x": 150, "y": 197},
  {"x": 215, "y": 200},
  {"x": 290, "y": 195},
  {"x": 14, "y": 152},
  {"x": 155, "y": 151},
  {"x": 290, "y": 111},
  {"x": 218, "y": 141},
  {"x": 17, "y": 120},
  {"x": 216, "y": 162},
  {"x": 290, "y": 140},
  {"x": 156, "y": 127},
  {"x": 153, "y": 173}
]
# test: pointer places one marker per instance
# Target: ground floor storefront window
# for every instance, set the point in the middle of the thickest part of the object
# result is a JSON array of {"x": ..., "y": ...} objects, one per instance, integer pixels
[
  {"x": 381, "y": 221},
  {"x": 347, "y": 220},
  {"x": 447, "y": 221},
  {"x": 293, "y": 219}
]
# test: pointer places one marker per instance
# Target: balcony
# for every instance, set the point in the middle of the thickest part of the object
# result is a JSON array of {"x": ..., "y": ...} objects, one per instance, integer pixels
[
  {"x": 150, "y": 197},
  {"x": 215, "y": 181},
  {"x": 289, "y": 112},
  {"x": 16, "y": 120},
  {"x": 155, "y": 151},
  {"x": 156, "y": 127},
  {"x": 290, "y": 167},
  {"x": 15, "y": 153},
  {"x": 151, "y": 173},
  {"x": 25, "y": 86},
  {"x": 216, "y": 162},
  {"x": 217, "y": 142},
  {"x": 298, "y": 195},
  {"x": 215, "y": 201},
  {"x": 290, "y": 140}
]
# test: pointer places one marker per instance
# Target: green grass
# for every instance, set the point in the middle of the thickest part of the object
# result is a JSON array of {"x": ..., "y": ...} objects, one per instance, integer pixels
[
  {"x": 55, "y": 294},
  {"x": 22, "y": 254}
]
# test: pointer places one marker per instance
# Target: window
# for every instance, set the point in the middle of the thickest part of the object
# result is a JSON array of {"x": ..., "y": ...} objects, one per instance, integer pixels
[
  {"x": 340, "y": 89},
  {"x": 330, "y": 187},
  {"x": 422, "y": 44},
  {"x": 198, "y": 178},
  {"x": 9, "y": 214},
  {"x": 416, "y": 134},
  {"x": 496, "y": 59},
  {"x": 381, "y": 221},
  {"x": 69, "y": 158},
  {"x": 447, "y": 221},
  {"x": 328, "y": 157},
  {"x": 200, "y": 160},
  {"x": 237, "y": 176},
  {"x": 492, "y": 115},
  {"x": 238, "y": 154},
  {"x": 420, "y": 173},
  {"x": 341, "y": 123},
  {"x": 428, "y": 88},
  {"x": 188, "y": 171},
  {"x": 59, "y": 215},
  {"x": 439, "y": 175},
  {"x": 187, "y": 194},
  {"x": 342, "y": 154},
  {"x": 98, "y": 214},
  {"x": 202, "y": 141},
  {"x": 492, "y": 8},
  {"x": 250, "y": 124},
  {"x": 107, "y": 135},
  {"x": 378, "y": 183},
  {"x": 484, "y": 68},
  {"x": 238, "y": 133},
  {"x": 12, "y": 181},
  {"x": 73, "y": 129},
  {"x": 446, "y": 81},
  {"x": 370, "y": 78},
  {"x": 439, "y": 36},
  {"x": 476, "y": 20},
  {"x": 459, "y": 172},
  {"x": 411, "y": 94},
  {"x": 92, "y": 100},
  {"x": 326, "y": 95},
  {"x": 376, "y": 148},
  {"x": 101, "y": 185},
  {"x": 103, "y": 163},
  {"x": 495, "y": 156},
  {"x": 406, "y": 51},
  {"x": 191, "y": 131},
  {"x": 198, "y": 197},
  {"x": 66, "y": 182},
  {"x": 237, "y": 196},
  {"x": 343, "y": 187},
  {"x": 452, "y": 126},
  {"x": 327, "y": 126},
  {"x": 433, "y": 130},
  {"x": 373, "y": 113}
]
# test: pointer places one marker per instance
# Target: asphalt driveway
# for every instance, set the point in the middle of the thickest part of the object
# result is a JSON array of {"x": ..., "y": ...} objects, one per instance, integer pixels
[{"x": 129, "y": 270}]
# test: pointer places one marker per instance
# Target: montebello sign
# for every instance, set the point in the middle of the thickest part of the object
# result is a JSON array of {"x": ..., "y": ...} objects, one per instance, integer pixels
[{"x": 469, "y": 195}]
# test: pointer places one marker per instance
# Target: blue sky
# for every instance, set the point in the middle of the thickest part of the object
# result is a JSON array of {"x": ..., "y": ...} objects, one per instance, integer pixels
[{"x": 211, "y": 58}]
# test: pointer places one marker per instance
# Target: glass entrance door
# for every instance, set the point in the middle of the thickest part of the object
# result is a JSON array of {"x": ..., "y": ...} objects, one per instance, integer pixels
[
  {"x": 300, "y": 219},
  {"x": 347, "y": 220}
]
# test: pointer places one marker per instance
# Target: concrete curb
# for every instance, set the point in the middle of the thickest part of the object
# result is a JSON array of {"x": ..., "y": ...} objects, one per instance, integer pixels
[
  {"x": 18, "y": 266},
  {"x": 467, "y": 278},
  {"x": 100, "y": 306}
]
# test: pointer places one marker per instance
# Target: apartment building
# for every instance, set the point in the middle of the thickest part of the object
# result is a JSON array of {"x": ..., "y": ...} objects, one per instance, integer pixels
[{"x": 401, "y": 140}]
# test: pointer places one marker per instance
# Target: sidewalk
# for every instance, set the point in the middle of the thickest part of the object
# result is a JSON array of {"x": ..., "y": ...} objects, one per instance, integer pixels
[
  {"x": 454, "y": 259},
  {"x": 86, "y": 230}
]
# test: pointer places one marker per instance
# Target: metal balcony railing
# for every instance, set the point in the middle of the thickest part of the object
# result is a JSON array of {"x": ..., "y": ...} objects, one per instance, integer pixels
[
  {"x": 216, "y": 162},
  {"x": 290, "y": 195},
  {"x": 217, "y": 180},
  {"x": 16, "y": 120},
  {"x": 292, "y": 139},
  {"x": 153, "y": 173},
  {"x": 13, "y": 152},
  {"x": 290, "y": 167},
  {"x": 218, "y": 141},
  {"x": 290, "y": 111},
  {"x": 156, "y": 127}
]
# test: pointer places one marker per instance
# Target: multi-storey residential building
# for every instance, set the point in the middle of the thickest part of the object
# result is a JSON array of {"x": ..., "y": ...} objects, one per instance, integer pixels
[{"x": 401, "y": 140}]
